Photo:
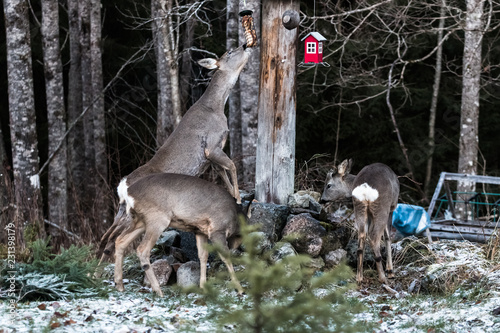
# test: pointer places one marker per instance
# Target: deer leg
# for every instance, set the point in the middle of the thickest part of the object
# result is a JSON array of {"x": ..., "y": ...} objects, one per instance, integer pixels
[
  {"x": 121, "y": 244},
  {"x": 144, "y": 252},
  {"x": 361, "y": 253},
  {"x": 201, "y": 241},
  {"x": 217, "y": 156},
  {"x": 378, "y": 228},
  {"x": 222, "y": 241},
  {"x": 362, "y": 227},
  {"x": 388, "y": 264}
]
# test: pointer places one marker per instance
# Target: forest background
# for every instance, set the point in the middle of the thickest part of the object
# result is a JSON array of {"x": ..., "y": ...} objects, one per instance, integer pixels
[{"x": 103, "y": 83}]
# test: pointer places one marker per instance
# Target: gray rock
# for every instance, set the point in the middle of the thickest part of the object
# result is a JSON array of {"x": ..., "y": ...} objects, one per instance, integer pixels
[
  {"x": 170, "y": 238},
  {"x": 333, "y": 258},
  {"x": 309, "y": 234},
  {"x": 263, "y": 244},
  {"x": 188, "y": 274},
  {"x": 282, "y": 250},
  {"x": 305, "y": 199},
  {"x": 270, "y": 217},
  {"x": 317, "y": 264},
  {"x": 162, "y": 271}
]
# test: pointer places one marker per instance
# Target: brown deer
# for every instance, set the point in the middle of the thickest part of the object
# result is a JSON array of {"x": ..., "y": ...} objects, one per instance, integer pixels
[
  {"x": 196, "y": 142},
  {"x": 187, "y": 203},
  {"x": 374, "y": 192}
]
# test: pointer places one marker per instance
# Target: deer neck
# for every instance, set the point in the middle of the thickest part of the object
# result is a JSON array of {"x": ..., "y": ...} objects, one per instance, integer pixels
[
  {"x": 349, "y": 181},
  {"x": 218, "y": 90}
]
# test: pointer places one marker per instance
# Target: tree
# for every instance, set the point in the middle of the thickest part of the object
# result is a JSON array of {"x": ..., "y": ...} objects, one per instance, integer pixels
[
  {"x": 435, "y": 96},
  {"x": 165, "y": 118},
  {"x": 76, "y": 146},
  {"x": 56, "y": 115},
  {"x": 249, "y": 88},
  {"x": 234, "y": 101},
  {"x": 101, "y": 202},
  {"x": 275, "y": 160},
  {"x": 242, "y": 102},
  {"x": 471, "y": 86},
  {"x": 28, "y": 216}
]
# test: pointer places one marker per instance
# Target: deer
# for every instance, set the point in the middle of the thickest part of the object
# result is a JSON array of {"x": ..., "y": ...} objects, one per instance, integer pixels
[
  {"x": 196, "y": 143},
  {"x": 158, "y": 201},
  {"x": 374, "y": 191}
]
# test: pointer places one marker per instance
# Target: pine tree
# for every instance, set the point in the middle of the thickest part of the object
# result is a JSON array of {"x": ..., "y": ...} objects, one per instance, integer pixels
[{"x": 285, "y": 295}]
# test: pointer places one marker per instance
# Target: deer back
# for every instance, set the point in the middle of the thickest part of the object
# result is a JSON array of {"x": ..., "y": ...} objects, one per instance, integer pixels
[
  {"x": 190, "y": 203},
  {"x": 377, "y": 182}
]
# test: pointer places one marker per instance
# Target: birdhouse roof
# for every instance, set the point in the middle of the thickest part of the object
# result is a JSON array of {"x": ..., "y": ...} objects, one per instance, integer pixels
[{"x": 319, "y": 37}]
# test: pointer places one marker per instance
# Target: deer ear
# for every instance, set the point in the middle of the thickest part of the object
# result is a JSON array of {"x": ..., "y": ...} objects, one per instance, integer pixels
[
  {"x": 345, "y": 167},
  {"x": 209, "y": 63}
]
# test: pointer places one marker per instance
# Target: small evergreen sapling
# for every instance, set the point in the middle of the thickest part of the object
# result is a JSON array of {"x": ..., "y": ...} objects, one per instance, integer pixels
[{"x": 282, "y": 296}]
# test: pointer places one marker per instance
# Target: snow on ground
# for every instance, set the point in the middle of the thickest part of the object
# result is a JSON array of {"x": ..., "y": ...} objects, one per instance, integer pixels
[{"x": 468, "y": 309}]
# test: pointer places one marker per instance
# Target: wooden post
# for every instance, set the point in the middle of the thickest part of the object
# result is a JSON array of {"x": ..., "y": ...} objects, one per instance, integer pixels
[{"x": 275, "y": 160}]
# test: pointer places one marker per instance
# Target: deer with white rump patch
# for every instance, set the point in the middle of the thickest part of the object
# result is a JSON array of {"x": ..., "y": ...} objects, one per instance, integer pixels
[
  {"x": 196, "y": 142},
  {"x": 187, "y": 203},
  {"x": 374, "y": 192}
]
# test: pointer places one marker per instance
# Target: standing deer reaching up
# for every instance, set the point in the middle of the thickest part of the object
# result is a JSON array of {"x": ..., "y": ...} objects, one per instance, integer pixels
[
  {"x": 195, "y": 143},
  {"x": 374, "y": 192},
  {"x": 187, "y": 203}
]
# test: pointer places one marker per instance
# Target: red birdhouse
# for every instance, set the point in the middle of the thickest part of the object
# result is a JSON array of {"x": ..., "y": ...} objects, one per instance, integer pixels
[{"x": 313, "y": 49}]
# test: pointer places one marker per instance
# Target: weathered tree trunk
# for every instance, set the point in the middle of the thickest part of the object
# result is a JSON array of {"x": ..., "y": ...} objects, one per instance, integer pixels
[
  {"x": 76, "y": 145},
  {"x": 28, "y": 217},
  {"x": 234, "y": 100},
  {"x": 186, "y": 62},
  {"x": 249, "y": 88},
  {"x": 101, "y": 204},
  {"x": 435, "y": 95},
  {"x": 165, "y": 119},
  {"x": 56, "y": 118},
  {"x": 275, "y": 163},
  {"x": 171, "y": 49},
  {"x": 471, "y": 86},
  {"x": 88, "y": 121},
  {"x": 6, "y": 204}
]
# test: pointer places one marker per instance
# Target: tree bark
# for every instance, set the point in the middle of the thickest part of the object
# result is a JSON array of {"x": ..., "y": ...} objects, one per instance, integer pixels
[
  {"x": 56, "y": 118},
  {"x": 435, "y": 96},
  {"x": 76, "y": 146},
  {"x": 234, "y": 100},
  {"x": 6, "y": 205},
  {"x": 28, "y": 216},
  {"x": 101, "y": 211},
  {"x": 471, "y": 85},
  {"x": 171, "y": 53},
  {"x": 165, "y": 118},
  {"x": 275, "y": 162},
  {"x": 186, "y": 67},
  {"x": 249, "y": 88}
]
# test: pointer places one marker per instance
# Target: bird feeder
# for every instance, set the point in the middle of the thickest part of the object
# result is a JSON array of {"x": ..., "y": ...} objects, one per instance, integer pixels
[
  {"x": 313, "y": 50},
  {"x": 249, "y": 28}
]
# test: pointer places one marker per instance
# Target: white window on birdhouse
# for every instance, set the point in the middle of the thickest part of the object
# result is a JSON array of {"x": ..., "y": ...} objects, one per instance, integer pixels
[
  {"x": 320, "y": 47},
  {"x": 311, "y": 47}
]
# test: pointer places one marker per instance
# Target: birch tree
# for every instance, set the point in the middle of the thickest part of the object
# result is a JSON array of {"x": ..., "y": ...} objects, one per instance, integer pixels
[
  {"x": 165, "y": 119},
  {"x": 28, "y": 216},
  {"x": 56, "y": 117},
  {"x": 471, "y": 86}
]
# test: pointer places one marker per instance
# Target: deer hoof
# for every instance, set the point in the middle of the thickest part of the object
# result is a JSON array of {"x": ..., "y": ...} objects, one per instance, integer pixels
[{"x": 119, "y": 287}]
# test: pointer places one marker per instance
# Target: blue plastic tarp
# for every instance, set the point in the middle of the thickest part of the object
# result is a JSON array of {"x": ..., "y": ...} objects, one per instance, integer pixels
[{"x": 410, "y": 219}]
